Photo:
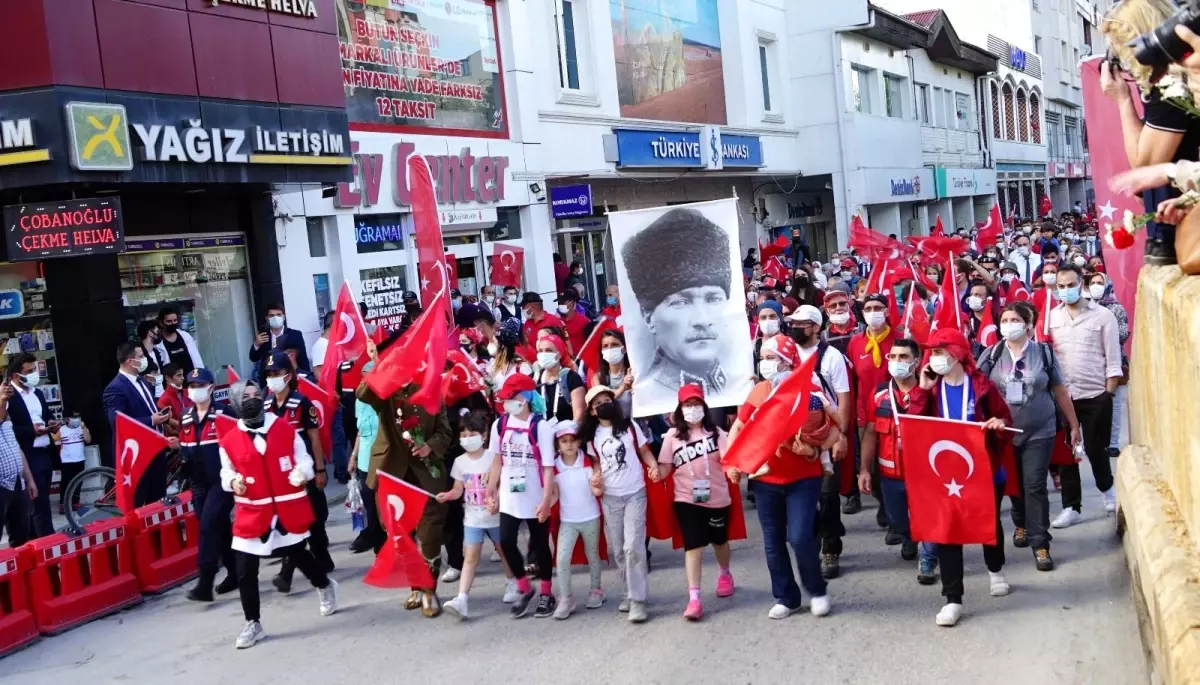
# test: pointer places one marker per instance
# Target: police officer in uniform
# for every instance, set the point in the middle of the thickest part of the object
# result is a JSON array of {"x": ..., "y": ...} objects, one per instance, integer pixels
[
  {"x": 287, "y": 403},
  {"x": 214, "y": 506}
]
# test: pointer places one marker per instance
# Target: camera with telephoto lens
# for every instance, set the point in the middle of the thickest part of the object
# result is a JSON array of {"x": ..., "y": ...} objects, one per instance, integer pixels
[{"x": 1161, "y": 47}]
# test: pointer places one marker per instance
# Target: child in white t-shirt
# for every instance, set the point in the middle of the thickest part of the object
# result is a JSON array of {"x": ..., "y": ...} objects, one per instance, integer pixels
[
  {"x": 470, "y": 474},
  {"x": 71, "y": 438},
  {"x": 578, "y": 483}
]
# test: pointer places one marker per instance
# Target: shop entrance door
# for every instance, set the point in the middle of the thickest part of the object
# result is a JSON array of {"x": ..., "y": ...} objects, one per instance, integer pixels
[
  {"x": 592, "y": 249},
  {"x": 468, "y": 256}
]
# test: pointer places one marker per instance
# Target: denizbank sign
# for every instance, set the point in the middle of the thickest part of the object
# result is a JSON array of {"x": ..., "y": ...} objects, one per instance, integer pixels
[{"x": 102, "y": 139}]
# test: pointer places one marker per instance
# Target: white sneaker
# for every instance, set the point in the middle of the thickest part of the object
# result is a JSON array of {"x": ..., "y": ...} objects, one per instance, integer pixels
[
  {"x": 566, "y": 607},
  {"x": 458, "y": 607},
  {"x": 623, "y": 607},
  {"x": 451, "y": 575},
  {"x": 1110, "y": 499},
  {"x": 251, "y": 634},
  {"x": 511, "y": 594},
  {"x": 780, "y": 611},
  {"x": 998, "y": 585},
  {"x": 1067, "y": 518},
  {"x": 328, "y": 598},
  {"x": 949, "y": 615},
  {"x": 495, "y": 557},
  {"x": 820, "y": 606}
]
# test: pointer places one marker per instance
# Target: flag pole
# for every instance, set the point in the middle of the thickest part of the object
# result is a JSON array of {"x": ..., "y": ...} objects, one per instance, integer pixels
[
  {"x": 406, "y": 484},
  {"x": 967, "y": 423}
]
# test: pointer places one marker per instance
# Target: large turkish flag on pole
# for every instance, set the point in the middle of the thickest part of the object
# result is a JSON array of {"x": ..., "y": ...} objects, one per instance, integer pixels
[
  {"x": 508, "y": 263},
  {"x": 400, "y": 563},
  {"x": 137, "y": 445},
  {"x": 347, "y": 340},
  {"x": 778, "y": 418},
  {"x": 431, "y": 254},
  {"x": 951, "y": 493}
]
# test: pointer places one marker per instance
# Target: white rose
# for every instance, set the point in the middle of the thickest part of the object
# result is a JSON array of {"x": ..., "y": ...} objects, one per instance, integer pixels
[
  {"x": 406, "y": 435},
  {"x": 296, "y": 478}
]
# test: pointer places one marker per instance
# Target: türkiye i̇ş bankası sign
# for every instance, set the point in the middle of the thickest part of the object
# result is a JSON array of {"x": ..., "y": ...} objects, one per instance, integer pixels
[
  {"x": 421, "y": 64},
  {"x": 64, "y": 229}
]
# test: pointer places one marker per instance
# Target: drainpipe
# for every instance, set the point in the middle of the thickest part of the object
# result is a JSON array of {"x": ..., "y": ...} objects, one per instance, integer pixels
[{"x": 839, "y": 86}]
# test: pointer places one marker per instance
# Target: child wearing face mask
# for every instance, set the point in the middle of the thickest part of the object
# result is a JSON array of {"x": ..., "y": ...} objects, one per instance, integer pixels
[
  {"x": 71, "y": 438},
  {"x": 578, "y": 484},
  {"x": 471, "y": 474}
]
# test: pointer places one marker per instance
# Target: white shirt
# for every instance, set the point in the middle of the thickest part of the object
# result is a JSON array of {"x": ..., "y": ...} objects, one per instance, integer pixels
[
  {"x": 520, "y": 487},
  {"x": 620, "y": 462},
  {"x": 317, "y": 356},
  {"x": 34, "y": 405},
  {"x": 576, "y": 502},
  {"x": 832, "y": 367},
  {"x": 141, "y": 389},
  {"x": 302, "y": 460},
  {"x": 72, "y": 444},
  {"x": 1026, "y": 266},
  {"x": 474, "y": 473}
]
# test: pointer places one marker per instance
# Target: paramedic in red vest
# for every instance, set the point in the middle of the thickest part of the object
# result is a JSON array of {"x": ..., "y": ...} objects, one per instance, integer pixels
[
  {"x": 881, "y": 445},
  {"x": 265, "y": 465},
  {"x": 200, "y": 451},
  {"x": 287, "y": 403},
  {"x": 867, "y": 352}
]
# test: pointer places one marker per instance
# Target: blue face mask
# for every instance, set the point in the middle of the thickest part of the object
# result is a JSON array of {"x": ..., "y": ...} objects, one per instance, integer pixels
[
  {"x": 612, "y": 301},
  {"x": 1069, "y": 295}
]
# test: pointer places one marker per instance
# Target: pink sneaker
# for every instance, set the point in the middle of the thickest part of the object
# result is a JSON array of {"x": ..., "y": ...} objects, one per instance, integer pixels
[
  {"x": 725, "y": 585},
  {"x": 694, "y": 611}
]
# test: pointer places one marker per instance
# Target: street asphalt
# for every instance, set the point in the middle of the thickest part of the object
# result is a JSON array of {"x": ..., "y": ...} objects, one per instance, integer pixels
[{"x": 1074, "y": 626}]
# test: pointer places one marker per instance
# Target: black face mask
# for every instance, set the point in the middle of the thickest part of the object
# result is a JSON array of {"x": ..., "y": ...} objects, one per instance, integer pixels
[
  {"x": 171, "y": 327},
  {"x": 799, "y": 336},
  {"x": 252, "y": 412},
  {"x": 413, "y": 309},
  {"x": 606, "y": 411}
]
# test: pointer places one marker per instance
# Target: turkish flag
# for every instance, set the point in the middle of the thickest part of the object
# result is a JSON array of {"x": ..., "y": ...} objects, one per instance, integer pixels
[
  {"x": 347, "y": 340},
  {"x": 1043, "y": 301},
  {"x": 778, "y": 418},
  {"x": 462, "y": 379},
  {"x": 419, "y": 357},
  {"x": 938, "y": 231},
  {"x": 1046, "y": 207},
  {"x": 400, "y": 563},
  {"x": 864, "y": 239},
  {"x": 992, "y": 230},
  {"x": 916, "y": 319},
  {"x": 508, "y": 263},
  {"x": 325, "y": 404},
  {"x": 231, "y": 375},
  {"x": 949, "y": 309},
  {"x": 589, "y": 354},
  {"x": 987, "y": 335},
  {"x": 431, "y": 254},
  {"x": 951, "y": 495},
  {"x": 775, "y": 249},
  {"x": 1016, "y": 293},
  {"x": 136, "y": 446},
  {"x": 775, "y": 268}
]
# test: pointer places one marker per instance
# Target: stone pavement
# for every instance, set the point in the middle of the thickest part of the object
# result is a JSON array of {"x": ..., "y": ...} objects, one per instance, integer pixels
[{"x": 1074, "y": 626}]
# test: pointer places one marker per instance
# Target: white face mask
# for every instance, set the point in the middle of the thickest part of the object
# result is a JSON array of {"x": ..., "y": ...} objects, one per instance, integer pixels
[
  {"x": 900, "y": 370},
  {"x": 1024, "y": 250},
  {"x": 276, "y": 384},
  {"x": 1096, "y": 291},
  {"x": 769, "y": 327},
  {"x": 1008, "y": 278},
  {"x": 613, "y": 355},
  {"x": 1079, "y": 261},
  {"x": 875, "y": 319},
  {"x": 199, "y": 394},
  {"x": 975, "y": 303},
  {"x": 31, "y": 380},
  {"x": 547, "y": 360},
  {"x": 693, "y": 415},
  {"x": 142, "y": 364},
  {"x": 512, "y": 299},
  {"x": 839, "y": 318},
  {"x": 847, "y": 275},
  {"x": 1050, "y": 278},
  {"x": 1012, "y": 331},
  {"x": 751, "y": 296},
  {"x": 489, "y": 298},
  {"x": 471, "y": 443},
  {"x": 275, "y": 322},
  {"x": 563, "y": 309},
  {"x": 512, "y": 407},
  {"x": 941, "y": 364},
  {"x": 493, "y": 348},
  {"x": 768, "y": 368}
]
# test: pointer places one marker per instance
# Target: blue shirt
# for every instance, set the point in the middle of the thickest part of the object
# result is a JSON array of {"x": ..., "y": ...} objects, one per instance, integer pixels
[
  {"x": 367, "y": 420},
  {"x": 953, "y": 401}
]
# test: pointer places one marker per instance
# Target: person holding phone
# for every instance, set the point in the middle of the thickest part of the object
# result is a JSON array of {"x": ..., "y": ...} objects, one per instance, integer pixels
[
  {"x": 33, "y": 424},
  {"x": 129, "y": 394},
  {"x": 16, "y": 480}
]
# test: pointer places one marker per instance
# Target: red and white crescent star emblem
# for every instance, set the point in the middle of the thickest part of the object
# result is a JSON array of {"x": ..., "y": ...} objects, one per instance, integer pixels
[
  {"x": 129, "y": 455},
  {"x": 440, "y": 267},
  {"x": 512, "y": 260},
  {"x": 348, "y": 324},
  {"x": 954, "y": 489}
]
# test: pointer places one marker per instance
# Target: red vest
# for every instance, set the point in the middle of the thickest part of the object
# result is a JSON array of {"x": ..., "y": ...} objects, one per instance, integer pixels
[
  {"x": 268, "y": 492},
  {"x": 887, "y": 451}
]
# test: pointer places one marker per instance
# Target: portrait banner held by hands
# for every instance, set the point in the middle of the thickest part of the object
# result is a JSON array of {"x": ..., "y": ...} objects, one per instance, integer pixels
[{"x": 680, "y": 276}]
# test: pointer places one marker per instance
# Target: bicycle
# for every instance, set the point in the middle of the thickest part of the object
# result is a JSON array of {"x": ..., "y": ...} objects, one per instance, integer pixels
[{"x": 95, "y": 489}]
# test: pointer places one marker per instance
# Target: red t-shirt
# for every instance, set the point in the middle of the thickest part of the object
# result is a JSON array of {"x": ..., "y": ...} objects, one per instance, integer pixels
[
  {"x": 576, "y": 325},
  {"x": 785, "y": 465},
  {"x": 530, "y": 328},
  {"x": 867, "y": 376}
]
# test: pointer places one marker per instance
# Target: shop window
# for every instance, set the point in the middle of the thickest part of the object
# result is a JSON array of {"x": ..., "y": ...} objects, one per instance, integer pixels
[
  {"x": 383, "y": 293},
  {"x": 25, "y": 327},
  {"x": 508, "y": 224},
  {"x": 205, "y": 279},
  {"x": 321, "y": 289},
  {"x": 316, "y": 236},
  {"x": 378, "y": 233}
]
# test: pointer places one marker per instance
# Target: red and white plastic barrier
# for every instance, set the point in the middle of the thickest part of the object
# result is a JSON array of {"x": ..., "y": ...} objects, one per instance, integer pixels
[
  {"x": 165, "y": 544},
  {"x": 17, "y": 625}
]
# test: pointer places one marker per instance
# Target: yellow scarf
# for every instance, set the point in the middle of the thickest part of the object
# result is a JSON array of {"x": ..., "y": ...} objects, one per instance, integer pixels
[{"x": 873, "y": 344}]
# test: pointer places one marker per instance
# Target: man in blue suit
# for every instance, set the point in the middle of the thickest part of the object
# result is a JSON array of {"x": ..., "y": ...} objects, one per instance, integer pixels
[
  {"x": 32, "y": 424},
  {"x": 277, "y": 337},
  {"x": 129, "y": 394}
]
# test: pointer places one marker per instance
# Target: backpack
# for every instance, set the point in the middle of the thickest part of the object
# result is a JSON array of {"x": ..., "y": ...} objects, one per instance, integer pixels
[
  {"x": 989, "y": 357},
  {"x": 535, "y": 422}
]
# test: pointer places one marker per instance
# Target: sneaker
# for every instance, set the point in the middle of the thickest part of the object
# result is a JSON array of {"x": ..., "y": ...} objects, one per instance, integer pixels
[
  {"x": 198, "y": 594},
  {"x": 820, "y": 606},
  {"x": 892, "y": 538},
  {"x": 458, "y": 607},
  {"x": 360, "y": 544},
  {"x": 328, "y": 596},
  {"x": 595, "y": 599},
  {"x": 623, "y": 607},
  {"x": 511, "y": 594},
  {"x": 830, "y": 566},
  {"x": 997, "y": 585},
  {"x": 637, "y": 612},
  {"x": 227, "y": 585},
  {"x": 495, "y": 557},
  {"x": 725, "y": 585},
  {"x": 949, "y": 615},
  {"x": 545, "y": 606},
  {"x": 250, "y": 635},
  {"x": 1055, "y": 482},
  {"x": 1110, "y": 499},
  {"x": 853, "y": 505},
  {"x": 694, "y": 610},
  {"x": 881, "y": 518},
  {"x": 782, "y": 611},
  {"x": 282, "y": 584},
  {"x": 566, "y": 607},
  {"x": 927, "y": 571},
  {"x": 908, "y": 550},
  {"x": 451, "y": 575},
  {"x": 1020, "y": 538},
  {"x": 1041, "y": 557},
  {"x": 522, "y": 605},
  {"x": 1067, "y": 518},
  {"x": 1114, "y": 452}
]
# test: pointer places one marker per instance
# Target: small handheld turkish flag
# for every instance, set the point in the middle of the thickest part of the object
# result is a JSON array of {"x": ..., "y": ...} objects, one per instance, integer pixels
[
  {"x": 988, "y": 335},
  {"x": 508, "y": 263},
  {"x": 779, "y": 417},
  {"x": 400, "y": 563},
  {"x": 323, "y": 404},
  {"x": 232, "y": 375},
  {"x": 419, "y": 357},
  {"x": 136, "y": 446},
  {"x": 347, "y": 339},
  {"x": 462, "y": 379},
  {"x": 951, "y": 494},
  {"x": 992, "y": 230}
]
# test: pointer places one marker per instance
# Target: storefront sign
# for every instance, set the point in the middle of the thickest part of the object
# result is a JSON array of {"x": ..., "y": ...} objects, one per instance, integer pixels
[
  {"x": 383, "y": 294},
  {"x": 12, "y": 304},
  {"x": 1017, "y": 58},
  {"x": 569, "y": 201},
  {"x": 906, "y": 186},
  {"x": 803, "y": 210},
  {"x": 367, "y": 171},
  {"x": 741, "y": 151},
  {"x": 459, "y": 178},
  {"x": 184, "y": 243},
  {"x": 886, "y": 186},
  {"x": 99, "y": 137},
  {"x": 298, "y": 8},
  {"x": 460, "y": 217},
  {"x": 657, "y": 148},
  {"x": 17, "y": 143},
  {"x": 1058, "y": 170},
  {"x": 422, "y": 64},
  {"x": 62, "y": 229},
  {"x": 964, "y": 182}
]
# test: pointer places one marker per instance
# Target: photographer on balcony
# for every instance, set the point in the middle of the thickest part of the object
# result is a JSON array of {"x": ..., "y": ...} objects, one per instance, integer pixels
[{"x": 1164, "y": 133}]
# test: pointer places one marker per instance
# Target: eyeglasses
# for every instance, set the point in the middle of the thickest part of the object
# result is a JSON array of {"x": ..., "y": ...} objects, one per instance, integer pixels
[{"x": 1019, "y": 370}]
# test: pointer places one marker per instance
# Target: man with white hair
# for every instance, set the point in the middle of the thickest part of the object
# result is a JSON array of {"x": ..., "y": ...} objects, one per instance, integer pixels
[{"x": 833, "y": 377}]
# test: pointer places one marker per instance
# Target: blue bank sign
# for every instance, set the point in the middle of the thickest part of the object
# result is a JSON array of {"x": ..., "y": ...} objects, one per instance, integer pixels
[
  {"x": 707, "y": 149},
  {"x": 12, "y": 304},
  {"x": 571, "y": 201}
]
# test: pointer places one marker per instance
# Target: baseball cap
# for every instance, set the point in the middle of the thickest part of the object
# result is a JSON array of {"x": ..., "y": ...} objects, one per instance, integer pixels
[
  {"x": 567, "y": 427},
  {"x": 200, "y": 377},
  {"x": 530, "y": 297},
  {"x": 807, "y": 313},
  {"x": 691, "y": 391}
]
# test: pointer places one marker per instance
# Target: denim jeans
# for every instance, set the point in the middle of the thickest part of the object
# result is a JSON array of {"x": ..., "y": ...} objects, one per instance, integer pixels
[
  {"x": 895, "y": 497},
  {"x": 787, "y": 514}
]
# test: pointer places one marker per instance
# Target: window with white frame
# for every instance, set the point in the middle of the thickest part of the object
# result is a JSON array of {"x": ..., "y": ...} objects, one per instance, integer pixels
[
  {"x": 572, "y": 44},
  {"x": 948, "y": 110},
  {"x": 893, "y": 95},
  {"x": 922, "y": 94},
  {"x": 860, "y": 88},
  {"x": 935, "y": 115},
  {"x": 769, "y": 77}
]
